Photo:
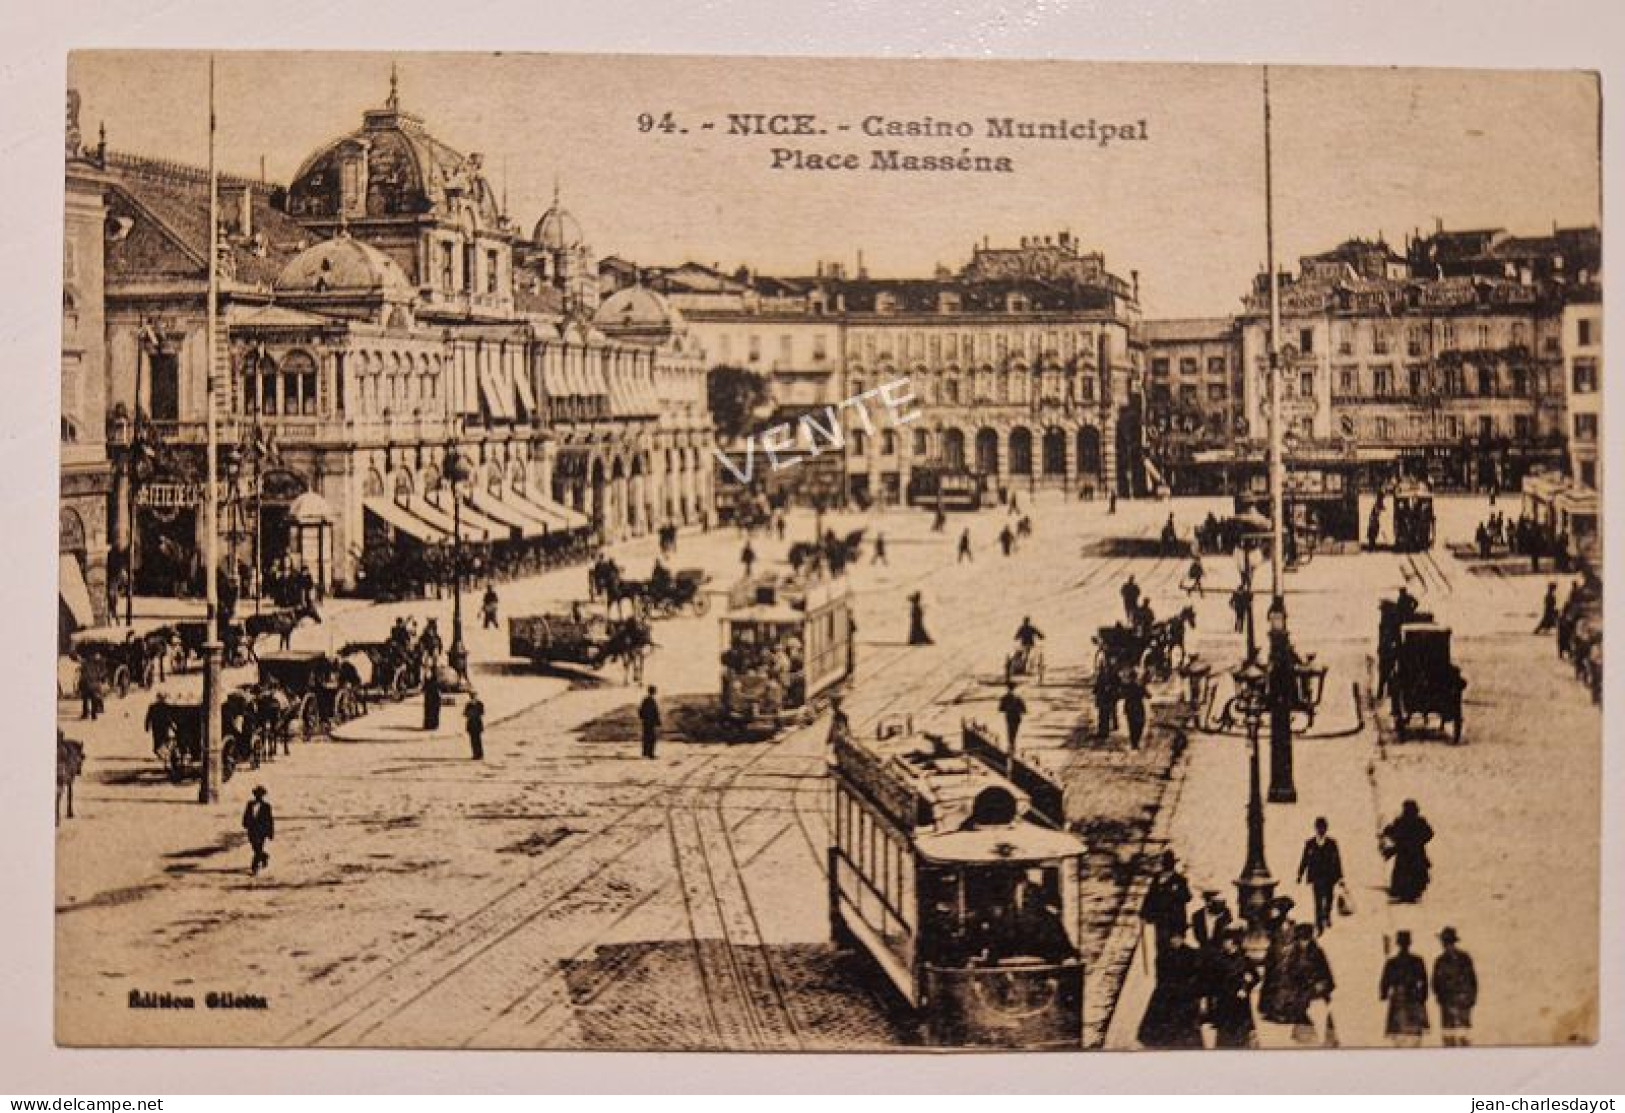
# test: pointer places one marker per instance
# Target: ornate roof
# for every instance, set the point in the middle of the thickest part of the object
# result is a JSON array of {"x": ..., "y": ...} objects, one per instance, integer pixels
[
  {"x": 558, "y": 230},
  {"x": 343, "y": 265},
  {"x": 640, "y": 313},
  {"x": 404, "y": 171}
]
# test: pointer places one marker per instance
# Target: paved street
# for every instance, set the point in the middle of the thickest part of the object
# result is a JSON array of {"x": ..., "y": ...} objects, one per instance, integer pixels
[{"x": 566, "y": 892}]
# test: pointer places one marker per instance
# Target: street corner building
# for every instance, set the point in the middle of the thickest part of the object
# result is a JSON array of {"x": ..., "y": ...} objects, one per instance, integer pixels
[{"x": 648, "y": 600}]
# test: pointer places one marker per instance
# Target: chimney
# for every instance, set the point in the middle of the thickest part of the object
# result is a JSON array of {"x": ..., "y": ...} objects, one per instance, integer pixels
[
  {"x": 862, "y": 273},
  {"x": 1438, "y": 225},
  {"x": 245, "y": 212}
]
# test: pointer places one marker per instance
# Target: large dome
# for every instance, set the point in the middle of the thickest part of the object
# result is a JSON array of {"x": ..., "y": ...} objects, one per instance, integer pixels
[
  {"x": 639, "y": 312},
  {"x": 558, "y": 230},
  {"x": 394, "y": 167},
  {"x": 343, "y": 265}
]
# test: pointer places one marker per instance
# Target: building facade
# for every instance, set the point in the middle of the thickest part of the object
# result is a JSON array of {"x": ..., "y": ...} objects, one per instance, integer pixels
[
  {"x": 1582, "y": 383},
  {"x": 379, "y": 313},
  {"x": 1194, "y": 400},
  {"x": 86, "y": 469},
  {"x": 1445, "y": 361}
]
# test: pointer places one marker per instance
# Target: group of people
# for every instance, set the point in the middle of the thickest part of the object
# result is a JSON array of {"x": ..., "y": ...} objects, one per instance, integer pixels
[
  {"x": 1204, "y": 974},
  {"x": 1578, "y": 625},
  {"x": 1523, "y": 536}
]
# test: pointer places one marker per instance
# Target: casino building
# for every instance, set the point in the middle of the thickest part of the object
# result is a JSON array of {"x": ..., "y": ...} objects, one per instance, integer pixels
[{"x": 377, "y": 312}]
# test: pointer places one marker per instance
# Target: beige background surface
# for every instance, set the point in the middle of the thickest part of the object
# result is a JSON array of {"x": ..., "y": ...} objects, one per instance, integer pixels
[{"x": 1558, "y": 35}]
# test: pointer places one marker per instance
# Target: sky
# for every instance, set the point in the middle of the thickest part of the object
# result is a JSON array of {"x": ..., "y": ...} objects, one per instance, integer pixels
[{"x": 1357, "y": 152}]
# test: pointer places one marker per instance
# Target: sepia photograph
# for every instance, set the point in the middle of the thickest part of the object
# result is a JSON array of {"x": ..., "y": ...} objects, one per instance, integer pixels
[{"x": 745, "y": 554}]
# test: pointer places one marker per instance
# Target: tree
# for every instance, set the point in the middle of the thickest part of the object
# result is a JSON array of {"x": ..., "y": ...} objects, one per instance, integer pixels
[{"x": 734, "y": 395}]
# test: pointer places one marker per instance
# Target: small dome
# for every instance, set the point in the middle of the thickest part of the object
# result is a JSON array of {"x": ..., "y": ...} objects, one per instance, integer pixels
[
  {"x": 558, "y": 230},
  {"x": 343, "y": 265},
  {"x": 638, "y": 311}
]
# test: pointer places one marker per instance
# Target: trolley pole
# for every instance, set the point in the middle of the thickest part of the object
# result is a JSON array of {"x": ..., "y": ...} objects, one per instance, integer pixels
[
  {"x": 209, "y": 777},
  {"x": 1282, "y": 681}
]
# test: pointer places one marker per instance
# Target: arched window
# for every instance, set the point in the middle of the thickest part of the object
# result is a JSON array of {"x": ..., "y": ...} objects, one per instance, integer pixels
[
  {"x": 1021, "y": 451},
  {"x": 1054, "y": 452},
  {"x": 299, "y": 384},
  {"x": 953, "y": 448},
  {"x": 922, "y": 444},
  {"x": 987, "y": 451}
]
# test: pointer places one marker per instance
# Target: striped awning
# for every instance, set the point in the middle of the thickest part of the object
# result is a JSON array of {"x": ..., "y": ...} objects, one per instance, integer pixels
[
  {"x": 404, "y": 521},
  {"x": 443, "y": 520},
  {"x": 493, "y": 506}
]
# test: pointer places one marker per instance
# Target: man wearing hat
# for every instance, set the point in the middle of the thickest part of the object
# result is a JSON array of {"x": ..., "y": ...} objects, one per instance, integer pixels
[
  {"x": 1212, "y": 920},
  {"x": 1405, "y": 987},
  {"x": 261, "y": 827},
  {"x": 1322, "y": 867},
  {"x": 1455, "y": 986},
  {"x": 1014, "y": 709},
  {"x": 1165, "y": 901}
]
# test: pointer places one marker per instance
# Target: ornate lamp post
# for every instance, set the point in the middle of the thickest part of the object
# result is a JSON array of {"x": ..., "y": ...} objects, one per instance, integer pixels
[
  {"x": 1282, "y": 692},
  {"x": 121, "y": 435},
  {"x": 1244, "y": 565},
  {"x": 1255, "y": 888},
  {"x": 457, "y": 471}
]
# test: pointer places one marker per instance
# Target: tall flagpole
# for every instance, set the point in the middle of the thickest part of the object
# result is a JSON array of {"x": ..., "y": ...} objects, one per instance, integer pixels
[
  {"x": 1276, "y": 468},
  {"x": 209, "y": 777}
]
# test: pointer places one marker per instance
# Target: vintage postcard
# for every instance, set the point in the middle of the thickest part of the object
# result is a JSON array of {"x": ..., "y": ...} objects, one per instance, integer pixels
[{"x": 662, "y": 553}]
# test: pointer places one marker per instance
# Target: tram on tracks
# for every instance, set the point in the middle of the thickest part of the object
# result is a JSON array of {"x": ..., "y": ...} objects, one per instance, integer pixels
[
  {"x": 1404, "y": 514},
  {"x": 942, "y": 488},
  {"x": 787, "y": 645},
  {"x": 1320, "y": 502},
  {"x": 952, "y": 871}
]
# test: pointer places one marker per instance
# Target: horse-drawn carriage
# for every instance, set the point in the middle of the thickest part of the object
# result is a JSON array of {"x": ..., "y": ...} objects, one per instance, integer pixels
[
  {"x": 1424, "y": 680},
  {"x": 192, "y": 634},
  {"x": 787, "y": 646},
  {"x": 664, "y": 597},
  {"x": 119, "y": 664},
  {"x": 1158, "y": 649},
  {"x": 177, "y": 734},
  {"x": 581, "y": 636},
  {"x": 386, "y": 669},
  {"x": 323, "y": 689}
]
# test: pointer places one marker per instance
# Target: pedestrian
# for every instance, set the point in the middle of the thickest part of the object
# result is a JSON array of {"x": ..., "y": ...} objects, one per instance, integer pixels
[
  {"x": 1111, "y": 503},
  {"x": 1231, "y": 978},
  {"x": 649, "y": 718},
  {"x": 260, "y": 824},
  {"x": 1193, "y": 578},
  {"x": 1173, "y": 1016},
  {"x": 488, "y": 607},
  {"x": 939, "y": 522},
  {"x": 1548, "y": 613},
  {"x": 90, "y": 687},
  {"x": 431, "y": 700},
  {"x": 1240, "y": 603},
  {"x": 880, "y": 551},
  {"x": 1308, "y": 987},
  {"x": 1165, "y": 900},
  {"x": 1105, "y": 702},
  {"x": 1455, "y": 987},
  {"x": 1405, "y": 840},
  {"x": 1014, "y": 709},
  {"x": 1404, "y": 986},
  {"x": 916, "y": 621},
  {"x": 747, "y": 557},
  {"x": 1212, "y": 920},
  {"x": 1321, "y": 866},
  {"x": 1274, "y": 996},
  {"x": 1130, "y": 591},
  {"x": 964, "y": 548},
  {"x": 1007, "y": 540},
  {"x": 474, "y": 716},
  {"x": 1134, "y": 694}
]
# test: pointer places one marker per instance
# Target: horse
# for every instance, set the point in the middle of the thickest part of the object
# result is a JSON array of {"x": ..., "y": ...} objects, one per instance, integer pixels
[
  {"x": 629, "y": 644},
  {"x": 70, "y": 761},
  {"x": 1168, "y": 636},
  {"x": 282, "y": 623}
]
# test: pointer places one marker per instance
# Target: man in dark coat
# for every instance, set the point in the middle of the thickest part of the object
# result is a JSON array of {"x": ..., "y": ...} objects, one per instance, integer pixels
[
  {"x": 488, "y": 608},
  {"x": 1106, "y": 694},
  {"x": 1405, "y": 987},
  {"x": 1455, "y": 987},
  {"x": 649, "y": 718},
  {"x": 1405, "y": 840},
  {"x": 1165, "y": 901},
  {"x": 747, "y": 557},
  {"x": 1014, "y": 709},
  {"x": 916, "y": 621},
  {"x": 1173, "y": 1016},
  {"x": 1212, "y": 920},
  {"x": 431, "y": 700},
  {"x": 1130, "y": 592},
  {"x": 964, "y": 548},
  {"x": 1548, "y": 611},
  {"x": 474, "y": 716},
  {"x": 1321, "y": 865},
  {"x": 1274, "y": 994},
  {"x": 1308, "y": 978},
  {"x": 260, "y": 824},
  {"x": 1231, "y": 977},
  {"x": 1134, "y": 694}
]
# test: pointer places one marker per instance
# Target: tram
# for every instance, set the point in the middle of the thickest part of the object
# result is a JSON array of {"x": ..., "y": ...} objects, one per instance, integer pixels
[
  {"x": 952, "y": 871},
  {"x": 1320, "y": 501},
  {"x": 787, "y": 644},
  {"x": 945, "y": 488}
]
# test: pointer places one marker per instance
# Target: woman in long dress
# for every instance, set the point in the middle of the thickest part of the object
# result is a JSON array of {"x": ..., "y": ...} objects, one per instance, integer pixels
[
  {"x": 916, "y": 621},
  {"x": 1406, "y": 840}
]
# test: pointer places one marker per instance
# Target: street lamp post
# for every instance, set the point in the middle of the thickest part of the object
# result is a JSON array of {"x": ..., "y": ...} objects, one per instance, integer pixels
[{"x": 1255, "y": 888}]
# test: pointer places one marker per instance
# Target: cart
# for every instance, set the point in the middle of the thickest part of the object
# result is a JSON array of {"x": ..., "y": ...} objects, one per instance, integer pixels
[
  {"x": 1425, "y": 681},
  {"x": 325, "y": 689}
]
